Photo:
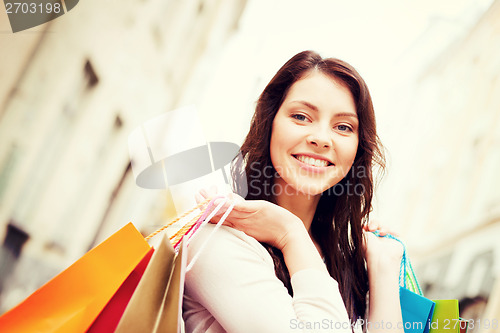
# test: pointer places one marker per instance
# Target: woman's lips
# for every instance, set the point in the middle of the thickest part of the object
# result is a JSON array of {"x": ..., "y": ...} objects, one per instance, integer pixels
[
  {"x": 313, "y": 161},
  {"x": 312, "y": 164}
]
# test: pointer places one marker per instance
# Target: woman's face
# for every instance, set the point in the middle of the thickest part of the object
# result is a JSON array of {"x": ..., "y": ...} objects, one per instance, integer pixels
[{"x": 314, "y": 135}]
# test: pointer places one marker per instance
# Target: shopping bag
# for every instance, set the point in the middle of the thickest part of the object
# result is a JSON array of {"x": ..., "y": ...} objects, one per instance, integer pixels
[
  {"x": 72, "y": 300},
  {"x": 170, "y": 316},
  {"x": 464, "y": 325},
  {"x": 110, "y": 316},
  {"x": 445, "y": 318},
  {"x": 148, "y": 304},
  {"x": 416, "y": 310},
  {"x": 156, "y": 305}
]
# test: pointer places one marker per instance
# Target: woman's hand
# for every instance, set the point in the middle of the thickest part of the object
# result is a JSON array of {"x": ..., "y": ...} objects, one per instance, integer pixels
[
  {"x": 260, "y": 219},
  {"x": 383, "y": 259},
  {"x": 381, "y": 253},
  {"x": 373, "y": 225}
]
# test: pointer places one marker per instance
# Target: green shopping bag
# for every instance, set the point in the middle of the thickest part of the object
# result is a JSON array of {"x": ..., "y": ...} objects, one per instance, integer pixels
[{"x": 446, "y": 318}]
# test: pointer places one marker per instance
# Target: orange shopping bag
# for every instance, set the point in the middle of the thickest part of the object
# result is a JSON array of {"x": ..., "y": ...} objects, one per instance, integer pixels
[
  {"x": 110, "y": 316},
  {"x": 72, "y": 300}
]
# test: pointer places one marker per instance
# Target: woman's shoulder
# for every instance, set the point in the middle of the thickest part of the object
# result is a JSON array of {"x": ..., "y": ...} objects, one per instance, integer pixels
[{"x": 226, "y": 242}]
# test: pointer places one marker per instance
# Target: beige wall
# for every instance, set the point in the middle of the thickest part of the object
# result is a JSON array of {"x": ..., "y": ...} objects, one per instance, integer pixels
[
  {"x": 64, "y": 178},
  {"x": 69, "y": 186},
  {"x": 444, "y": 189}
]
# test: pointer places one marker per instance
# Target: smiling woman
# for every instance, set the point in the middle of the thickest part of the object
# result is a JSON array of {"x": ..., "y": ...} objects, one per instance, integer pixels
[
  {"x": 314, "y": 135},
  {"x": 294, "y": 254}
]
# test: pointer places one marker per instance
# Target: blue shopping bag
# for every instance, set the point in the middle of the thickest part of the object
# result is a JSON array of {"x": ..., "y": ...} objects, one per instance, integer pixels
[{"x": 416, "y": 310}]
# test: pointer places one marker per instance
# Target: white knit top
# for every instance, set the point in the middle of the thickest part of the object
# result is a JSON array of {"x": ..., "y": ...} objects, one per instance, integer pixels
[{"x": 233, "y": 287}]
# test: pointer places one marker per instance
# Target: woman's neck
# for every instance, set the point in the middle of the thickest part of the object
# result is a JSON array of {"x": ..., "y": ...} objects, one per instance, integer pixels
[{"x": 301, "y": 204}]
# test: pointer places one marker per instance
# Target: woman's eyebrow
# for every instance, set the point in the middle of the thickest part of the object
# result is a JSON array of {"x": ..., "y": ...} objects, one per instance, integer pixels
[
  {"x": 337, "y": 115},
  {"x": 346, "y": 114},
  {"x": 307, "y": 104}
]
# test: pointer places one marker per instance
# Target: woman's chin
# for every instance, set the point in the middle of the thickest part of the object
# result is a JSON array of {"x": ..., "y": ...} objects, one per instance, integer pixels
[
  {"x": 311, "y": 190},
  {"x": 303, "y": 187}
]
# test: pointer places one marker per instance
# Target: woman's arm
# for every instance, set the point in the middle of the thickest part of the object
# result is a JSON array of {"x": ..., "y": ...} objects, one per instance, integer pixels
[
  {"x": 260, "y": 296},
  {"x": 274, "y": 225},
  {"x": 383, "y": 258},
  {"x": 233, "y": 287}
]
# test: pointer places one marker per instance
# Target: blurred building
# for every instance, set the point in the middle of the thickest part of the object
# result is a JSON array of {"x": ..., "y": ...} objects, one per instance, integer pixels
[
  {"x": 448, "y": 187},
  {"x": 71, "y": 92}
]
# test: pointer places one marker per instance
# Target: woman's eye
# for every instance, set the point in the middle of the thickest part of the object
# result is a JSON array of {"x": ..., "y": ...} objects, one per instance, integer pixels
[
  {"x": 344, "y": 128},
  {"x": 299, "y": 117}
]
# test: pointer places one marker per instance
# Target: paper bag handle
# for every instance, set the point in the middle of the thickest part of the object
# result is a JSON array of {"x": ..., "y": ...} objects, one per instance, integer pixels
[
  {"x": 217, "y": 226},
  {"x": 201, "y": 220}
]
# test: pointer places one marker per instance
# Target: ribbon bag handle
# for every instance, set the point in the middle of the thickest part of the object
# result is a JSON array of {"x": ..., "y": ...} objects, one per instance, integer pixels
[
  {"x": 188, "y": 231},
  {"x": 407, "y": 277},
  {"x": 177, "y": 219},
  {"x": 217, "y": 226}
]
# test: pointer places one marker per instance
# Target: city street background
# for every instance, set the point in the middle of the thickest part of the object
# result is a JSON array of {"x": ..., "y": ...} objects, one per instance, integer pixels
[{"x": 72, "y": 91}]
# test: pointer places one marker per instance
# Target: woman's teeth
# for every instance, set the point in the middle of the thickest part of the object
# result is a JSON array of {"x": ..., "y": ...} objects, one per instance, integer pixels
[{"x": 312, "y": 161}]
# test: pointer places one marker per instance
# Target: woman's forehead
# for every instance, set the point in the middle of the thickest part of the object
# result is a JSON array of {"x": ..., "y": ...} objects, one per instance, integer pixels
[{"x": 318, "y": 91}]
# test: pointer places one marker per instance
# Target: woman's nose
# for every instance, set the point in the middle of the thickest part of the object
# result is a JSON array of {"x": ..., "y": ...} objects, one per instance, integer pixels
[{"x": 319, "y": 138}]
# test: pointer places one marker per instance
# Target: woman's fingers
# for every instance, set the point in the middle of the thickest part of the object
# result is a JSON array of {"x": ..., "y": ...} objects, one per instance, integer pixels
[
  {"x": 370, "y": 226},
  {"x": 376, "y": 247},
  {"x": 374, "y": 225},
  {"x": 386, "y": 231},
  {"x": 219, "y": 208},
  {"x": 247, "y": 206},
  {"x": 239, "y": 215},
  {"x": 212, "y": 191},
  {"x": 199, "y": 198}
]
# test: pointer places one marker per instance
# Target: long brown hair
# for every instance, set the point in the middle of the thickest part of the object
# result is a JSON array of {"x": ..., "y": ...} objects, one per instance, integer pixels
[{"x": 343, "y": 209}]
